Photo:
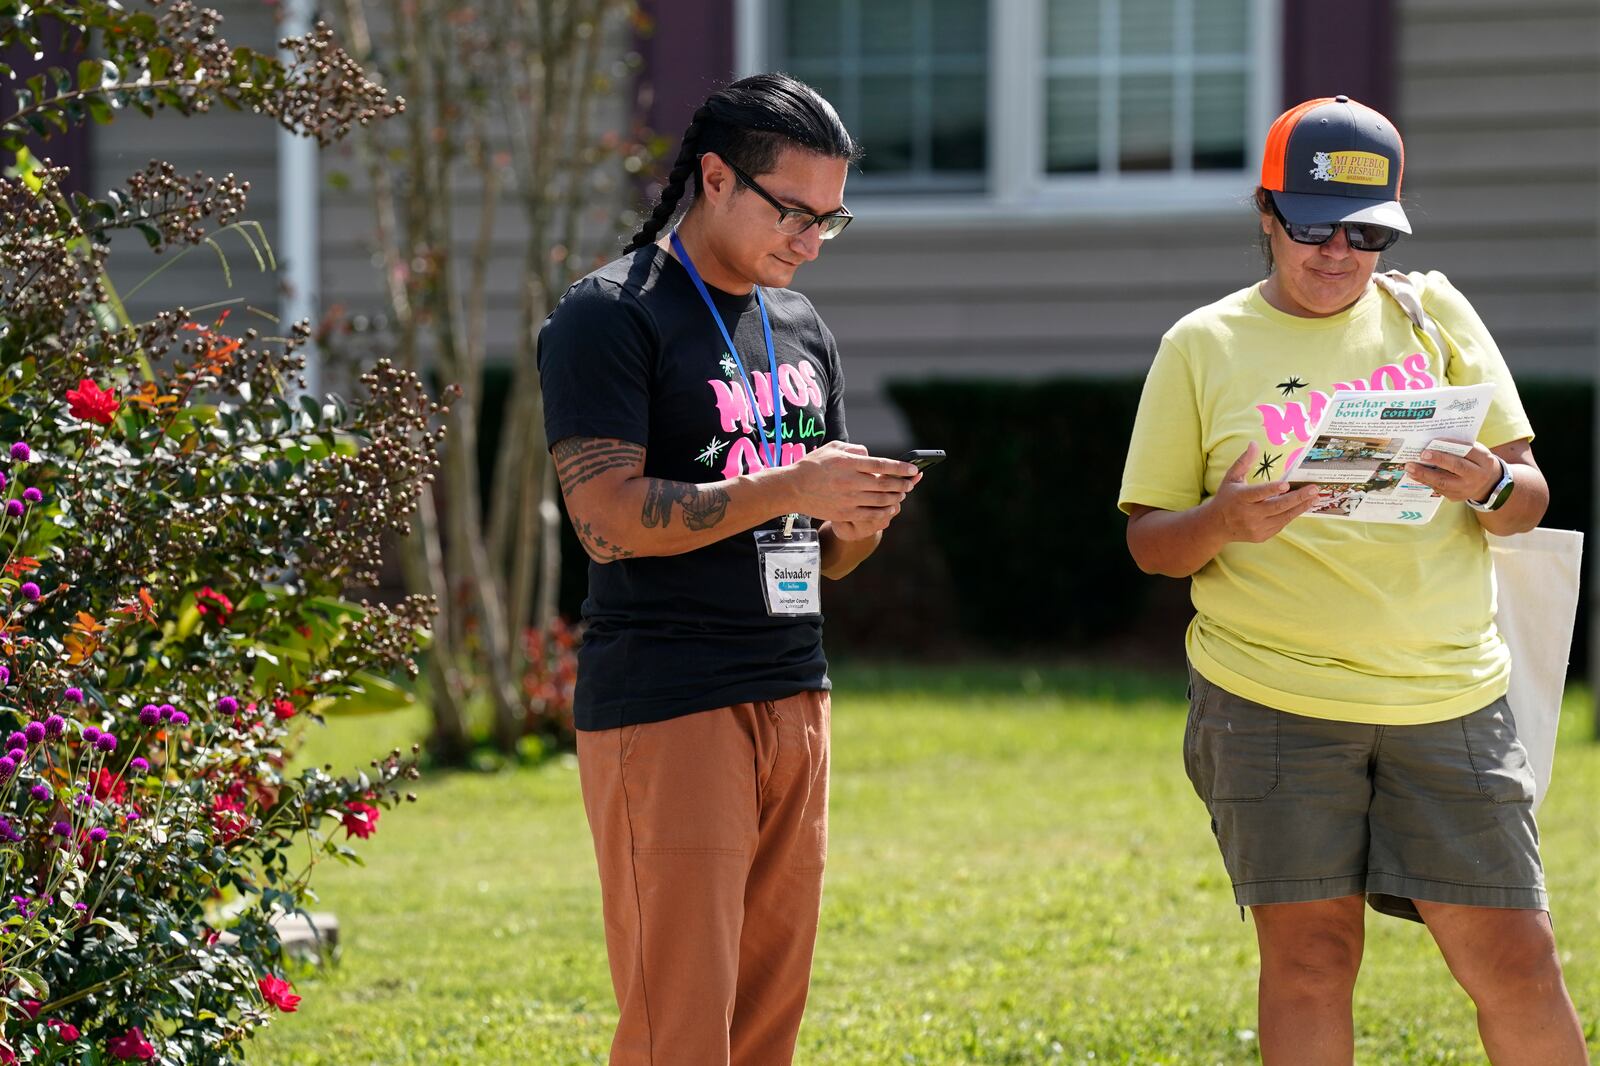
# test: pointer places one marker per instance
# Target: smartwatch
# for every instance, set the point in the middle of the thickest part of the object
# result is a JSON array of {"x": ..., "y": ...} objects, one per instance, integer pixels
[{"x": 1499, "y": 494}]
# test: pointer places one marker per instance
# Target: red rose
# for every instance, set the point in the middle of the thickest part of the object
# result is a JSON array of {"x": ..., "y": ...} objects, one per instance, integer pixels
[
  {"x": 283, "y": 710},
  {"x": 229, "y": 819},
  {"x": 68, "y": 1033},
  {"x": 109, "y": 787},
  {"x": 279, "y": 993},
  {"x": 132, "y": 1045},
  {"x": 30, "y": 1007},
  {"x": 92, "y": 403},
  {"x": 360, "y": 820},
  {"x": 213, "y": 605}
]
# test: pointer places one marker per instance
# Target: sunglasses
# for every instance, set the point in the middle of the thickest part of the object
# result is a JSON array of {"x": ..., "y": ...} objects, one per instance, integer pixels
[
  {"x": 792, "y": 221},
  {"x": 1362, "y": 236}
]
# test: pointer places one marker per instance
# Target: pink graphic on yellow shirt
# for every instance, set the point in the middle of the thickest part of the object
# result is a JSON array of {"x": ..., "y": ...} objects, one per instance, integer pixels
[
  {"x": 1283, "y": 421},
  {"x": 799, "y": 386}
]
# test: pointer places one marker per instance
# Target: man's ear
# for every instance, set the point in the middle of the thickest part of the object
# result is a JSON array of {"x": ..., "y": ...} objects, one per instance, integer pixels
[{"x": 716, "y": 180}]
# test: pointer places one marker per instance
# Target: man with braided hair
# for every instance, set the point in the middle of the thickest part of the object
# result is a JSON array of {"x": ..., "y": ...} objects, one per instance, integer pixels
[{"x": 695, "y": 408}]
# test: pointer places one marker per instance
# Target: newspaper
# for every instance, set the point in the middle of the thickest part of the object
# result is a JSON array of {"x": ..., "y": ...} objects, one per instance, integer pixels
[{"x": 1364, "y": 439}]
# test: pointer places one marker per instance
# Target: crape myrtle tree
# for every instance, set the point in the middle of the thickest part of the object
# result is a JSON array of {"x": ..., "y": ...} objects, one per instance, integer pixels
[
  {"x": 515, "y": 159},
  {"x": 178, "y": 529}
]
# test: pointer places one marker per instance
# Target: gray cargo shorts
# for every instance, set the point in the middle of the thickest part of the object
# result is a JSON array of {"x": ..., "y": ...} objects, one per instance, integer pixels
[{"x": 1308, "y": 809}]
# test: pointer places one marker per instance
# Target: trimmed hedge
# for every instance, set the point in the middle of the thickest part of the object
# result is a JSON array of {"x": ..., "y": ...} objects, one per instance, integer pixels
[{"x": 1025, "y": 512}]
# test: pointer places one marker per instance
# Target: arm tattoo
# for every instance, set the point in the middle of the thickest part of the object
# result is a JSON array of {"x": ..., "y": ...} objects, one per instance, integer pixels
[
  {"x": 702, "y": 508},
  {"x": 582, "y": 459},
  {"x": 599, "y": 548}
]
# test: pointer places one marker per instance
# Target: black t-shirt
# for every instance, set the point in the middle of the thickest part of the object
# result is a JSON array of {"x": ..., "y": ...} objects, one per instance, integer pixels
[{"x": 631, "y": 352}]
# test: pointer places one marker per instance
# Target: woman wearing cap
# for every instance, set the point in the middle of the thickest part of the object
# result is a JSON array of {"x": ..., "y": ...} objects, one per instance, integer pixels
[{"x": 1348, "y": 729}]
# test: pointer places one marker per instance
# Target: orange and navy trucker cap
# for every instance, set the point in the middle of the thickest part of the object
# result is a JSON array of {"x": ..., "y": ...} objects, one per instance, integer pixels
[{"x": 1335, "y": 160}]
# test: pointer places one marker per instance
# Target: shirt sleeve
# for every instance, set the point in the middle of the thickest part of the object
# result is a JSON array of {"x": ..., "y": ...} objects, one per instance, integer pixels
[
  {"x": 833, "y": 418},
  {"x": 1474, "y": 358},
  {"x": 595, "y": 354},
  {"x": 1166, "y": 460}
]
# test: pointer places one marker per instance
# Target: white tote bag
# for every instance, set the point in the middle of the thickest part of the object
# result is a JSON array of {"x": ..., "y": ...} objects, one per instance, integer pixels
[
  {"x": 1536, "y": 595},
  {"x": 1536, "y": 603}
]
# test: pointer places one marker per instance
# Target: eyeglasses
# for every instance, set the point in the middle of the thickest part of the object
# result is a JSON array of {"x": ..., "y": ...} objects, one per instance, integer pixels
[
  {"x": 1363, "y": 236},
  {"x": 792, "y": 221}
]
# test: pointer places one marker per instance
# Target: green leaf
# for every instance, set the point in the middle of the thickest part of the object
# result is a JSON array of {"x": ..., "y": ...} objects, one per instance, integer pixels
[
  {"x": 91, "y": 75},
  {"x": 373, "y": 695},
  {"x": 30, "y": 982},
  {"x": 117, "y": 928}
]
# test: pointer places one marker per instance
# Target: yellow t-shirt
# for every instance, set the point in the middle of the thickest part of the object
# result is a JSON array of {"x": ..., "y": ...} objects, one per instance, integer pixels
[{"x": 1355, "y": 621}]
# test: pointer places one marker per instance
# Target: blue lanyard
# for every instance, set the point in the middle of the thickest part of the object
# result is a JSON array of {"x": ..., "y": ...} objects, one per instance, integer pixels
[{"x": 771, "y": 446}]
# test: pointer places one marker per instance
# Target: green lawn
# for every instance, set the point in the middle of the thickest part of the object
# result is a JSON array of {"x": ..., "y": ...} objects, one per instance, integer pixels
[{"x": 1019, "y": 873}]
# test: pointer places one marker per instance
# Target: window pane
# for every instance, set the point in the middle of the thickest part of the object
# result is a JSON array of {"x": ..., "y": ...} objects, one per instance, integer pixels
[
  {"x": 1072, "y": 125},
  {"x": 885, "y": 127},
  {"x": 1219, "y": 118},
  {"x": 1072, "y": 28},
  {"x": 1221, "y": 27},
  {"x": 1144, "y": 127},
  {"x": 822, "y": 77},
  {"x": 960, "y": 113},
  {"x": 960, "y": 27},
  {"x": 1146, "y": 27},
  {"x": 811, "y": 29},
  {"x": 886, "y": 27}
]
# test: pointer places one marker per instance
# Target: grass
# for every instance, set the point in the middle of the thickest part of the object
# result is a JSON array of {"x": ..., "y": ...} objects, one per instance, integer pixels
[{"x": 1019, "y": 872}]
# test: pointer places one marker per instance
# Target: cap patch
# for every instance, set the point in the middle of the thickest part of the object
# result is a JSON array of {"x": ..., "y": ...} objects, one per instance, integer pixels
[{"x": 1351, "y": 168}]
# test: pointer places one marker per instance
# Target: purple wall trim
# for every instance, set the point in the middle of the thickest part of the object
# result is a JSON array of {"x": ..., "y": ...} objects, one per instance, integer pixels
[
  {"x": 69, "y": 149},
  {"x": 1345, "y": 47},
  {"x": 686, "y": 58}
]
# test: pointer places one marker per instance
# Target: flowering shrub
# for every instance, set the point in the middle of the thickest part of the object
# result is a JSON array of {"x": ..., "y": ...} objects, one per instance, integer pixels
[
  {"x": 550, "y": 680},
  {"x": 177, "y": 531}
]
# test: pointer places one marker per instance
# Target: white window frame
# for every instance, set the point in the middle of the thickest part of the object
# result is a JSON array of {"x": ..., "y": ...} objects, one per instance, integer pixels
[{"x": 1017, "y": 185}]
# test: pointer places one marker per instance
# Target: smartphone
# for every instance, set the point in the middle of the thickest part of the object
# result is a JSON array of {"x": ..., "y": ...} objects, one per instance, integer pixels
[{"x": 922, "y": 458}]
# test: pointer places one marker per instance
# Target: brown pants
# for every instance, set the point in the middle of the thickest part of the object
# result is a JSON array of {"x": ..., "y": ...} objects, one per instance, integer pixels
[{"x": 710, "y": 831}]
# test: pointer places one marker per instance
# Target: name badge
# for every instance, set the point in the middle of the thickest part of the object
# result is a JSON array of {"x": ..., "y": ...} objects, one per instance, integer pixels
[{"x": 791, "y": 572}]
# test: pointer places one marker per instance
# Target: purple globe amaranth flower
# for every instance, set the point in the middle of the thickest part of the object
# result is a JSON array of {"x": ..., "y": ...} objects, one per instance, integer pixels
[
  {"x": 34, "y": 732},
  {"x": 18, "y": 755},
  {"x": 30, "y": 591},
  {"x": 168, "y": 710},
  {"x": 16, "y": 739},
  {"x": 4, "y": 481},
  {"x": 21, "y": 452},
  {"x": 105, "y": 742},
  {"x": 139, "y": 765},
  {"x": 61, "y": 829},
  {"x": 73, "y": 694},
  {"x": 149, "y": 714},
  {"x": 40, "y": 792},
  {"x": 98, "y": 834},
  {"x": 91, "y": 733},
  {"x": 32, "y": 495},
  {"x": 228, "y": 705},
  {"x": 179, "y": 718},
  {"x": 54, "y": 726},
  {"x": 8, "y": 766},
  {"x": 14, "y": 508}
]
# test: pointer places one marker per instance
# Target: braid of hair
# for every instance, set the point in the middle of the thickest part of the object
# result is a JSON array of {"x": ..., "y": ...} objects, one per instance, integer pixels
[{"x": 677, "y": 181}]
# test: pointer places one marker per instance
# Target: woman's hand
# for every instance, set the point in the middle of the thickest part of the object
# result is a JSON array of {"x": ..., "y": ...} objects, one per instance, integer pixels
[
  {"x": 1458, "y": 477},
  {"x": 1254, "y": 513}
]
